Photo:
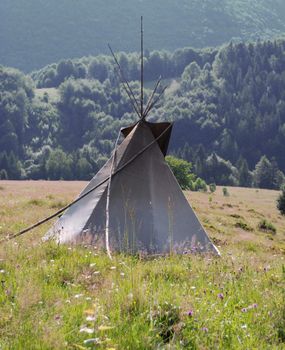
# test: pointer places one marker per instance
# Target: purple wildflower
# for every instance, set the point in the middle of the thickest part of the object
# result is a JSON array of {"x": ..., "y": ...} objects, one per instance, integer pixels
[
  {"x": 190, "y": 313},
  {"x": 221, "y": 296},
  {"x": 244, "y": 309},
  {"x": 205, "y": 329}
]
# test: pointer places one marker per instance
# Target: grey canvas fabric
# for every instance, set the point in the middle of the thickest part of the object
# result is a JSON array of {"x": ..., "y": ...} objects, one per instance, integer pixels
[{"x": 148, "y": 211}]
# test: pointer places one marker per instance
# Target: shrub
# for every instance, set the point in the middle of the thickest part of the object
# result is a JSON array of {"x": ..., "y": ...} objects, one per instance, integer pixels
[
  {"x": 3, "y": 174},
  {"x": 200, "y": 185},
  {"x": 184, "y": 175},
  {"x": 212, "y": 187},
  {"x": 225, "y": 192},
  {"x": 182, "y": 171},
  {"x": 281, "y": 202},
  {"x": 267, "y": 226},
  {"x": 243, "y": 225}
]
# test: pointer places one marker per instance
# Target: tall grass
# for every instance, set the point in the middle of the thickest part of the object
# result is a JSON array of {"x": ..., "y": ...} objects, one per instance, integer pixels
[{"x": 73, "y": 297}]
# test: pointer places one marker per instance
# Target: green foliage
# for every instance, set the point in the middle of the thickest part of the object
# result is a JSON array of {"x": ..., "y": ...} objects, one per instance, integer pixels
[
  {"x": 212, "y": 187},
  {"x": 243, "y": 225},
  {"x": 58, "y": 165},
  {"x": 267, "y": 174},
  {"x": 183, "y": 173},
  {"x": 227, "y": 105},
  {"x": 281, "y": 202},
  {"x": 3, "y": 174},
  {"x": 267, "y": 226},
  {"x": 225, "y": 192},
  {"x": 163, "y": 319},
  {"x": 199, "y": 185}
]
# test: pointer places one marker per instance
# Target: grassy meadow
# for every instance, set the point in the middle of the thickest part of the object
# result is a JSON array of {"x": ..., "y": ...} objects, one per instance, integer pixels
[{"x": 66, "y": 297}]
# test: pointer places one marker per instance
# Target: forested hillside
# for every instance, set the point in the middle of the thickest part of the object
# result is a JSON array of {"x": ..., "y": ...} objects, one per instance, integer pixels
[
  {"x": 228, "y": 106},
  {"x": 35, "y": 33}
]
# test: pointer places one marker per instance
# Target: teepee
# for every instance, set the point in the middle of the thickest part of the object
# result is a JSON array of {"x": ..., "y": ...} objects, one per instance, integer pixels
[{"x": 134, "y": 203}]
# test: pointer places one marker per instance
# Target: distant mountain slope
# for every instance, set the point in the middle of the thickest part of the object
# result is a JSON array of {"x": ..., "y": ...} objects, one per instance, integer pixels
[{"x": 34, "y": 33}]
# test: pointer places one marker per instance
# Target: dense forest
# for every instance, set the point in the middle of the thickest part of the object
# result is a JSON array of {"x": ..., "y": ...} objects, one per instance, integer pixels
[
  {"x": 34, "y": 33},
  {"x": 228, "y": 105}
]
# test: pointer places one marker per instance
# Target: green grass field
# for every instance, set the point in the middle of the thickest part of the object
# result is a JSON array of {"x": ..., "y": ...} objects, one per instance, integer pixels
[{"x": 64, "y": 297}]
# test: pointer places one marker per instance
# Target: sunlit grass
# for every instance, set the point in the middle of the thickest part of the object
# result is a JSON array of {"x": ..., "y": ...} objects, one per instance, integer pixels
[{"x": 57, "y": 297}]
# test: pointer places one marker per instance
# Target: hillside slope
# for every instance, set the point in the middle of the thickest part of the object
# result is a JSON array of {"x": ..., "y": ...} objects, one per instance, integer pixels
[{"x": 34, "y": 33}]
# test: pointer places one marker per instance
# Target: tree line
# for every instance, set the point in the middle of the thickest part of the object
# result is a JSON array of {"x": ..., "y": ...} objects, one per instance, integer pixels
[{"x": 228, "y": 105}]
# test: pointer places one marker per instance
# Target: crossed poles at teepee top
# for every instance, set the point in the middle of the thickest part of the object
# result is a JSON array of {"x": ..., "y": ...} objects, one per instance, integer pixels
[{"x": 141, "y": 112}]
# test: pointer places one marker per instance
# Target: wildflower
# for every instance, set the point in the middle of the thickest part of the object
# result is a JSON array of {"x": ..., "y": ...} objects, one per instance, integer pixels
[
  {"x": 85, "y": 329},
  {"x": 244, "y": 309},
  {"x": 221, "y": 296},
  {"x": 122, "y": 274},
  {"x": 77, "y": 296},
  {"x": 2, "y": 271},
  {"x": 91, "y": 340},
  {"x": 190, "y": 313},
  {"x": 88, "y": 298},
  {"x": 244, "y": 326},
  {"x": 92, "y": 265},
  {"x": 113, "y": 267},
  {"x": 205, "y": 329},
  {"x": 91, "y": 318}
]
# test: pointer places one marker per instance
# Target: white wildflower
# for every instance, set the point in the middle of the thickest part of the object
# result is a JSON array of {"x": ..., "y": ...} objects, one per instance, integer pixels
[
  {"x": 77, "y": 296},
  {"x": 91, "y": 340},
  {"x": 85, "y": 329},
  {"x": 91, "y": 318}
]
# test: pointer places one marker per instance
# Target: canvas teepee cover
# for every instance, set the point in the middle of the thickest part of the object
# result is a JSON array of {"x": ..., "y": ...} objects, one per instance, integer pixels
[{"x": 147, "y": 209}]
